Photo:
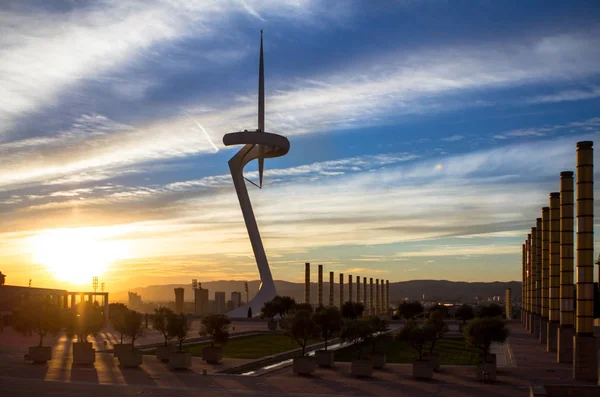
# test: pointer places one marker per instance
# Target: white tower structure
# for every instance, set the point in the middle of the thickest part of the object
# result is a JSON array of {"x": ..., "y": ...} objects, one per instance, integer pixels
[{"x": 257, "y": 145}]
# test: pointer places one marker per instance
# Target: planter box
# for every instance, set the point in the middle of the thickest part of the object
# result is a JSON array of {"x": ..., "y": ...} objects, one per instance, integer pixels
[
  {"x": 180, "y": 360},
  {"x": 491, "y": 358},
  {"x": 119, "y": 348},
  {"x": 40, "y": 354},
  {"x": 486, "y": 372},
  {"x": 422, "y": 369},
  {"x": 212, "y": 355},
  {"x": 163, "y": 353},
  {"x": 130, "y": 359},
  {"x": 325, "y": 358},
  {"x": 83, "y": 353},
  {"x": 434, "y": 358},
  {"x": 377, "y": 359},
  {"x": 361, "y": 368},
  {"x": 304, "y": 365}
]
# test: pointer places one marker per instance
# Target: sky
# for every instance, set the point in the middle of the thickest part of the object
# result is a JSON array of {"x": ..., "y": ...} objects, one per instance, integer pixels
[{"x": 426, "y": 135}]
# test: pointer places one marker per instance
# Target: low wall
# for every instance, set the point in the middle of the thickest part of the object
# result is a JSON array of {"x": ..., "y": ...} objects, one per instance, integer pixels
[{"x": 564, "y": 391}]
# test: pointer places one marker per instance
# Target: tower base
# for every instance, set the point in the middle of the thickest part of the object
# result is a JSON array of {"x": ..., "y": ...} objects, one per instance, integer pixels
[
  {"x": 537, "y": 320},
  {"x": 530, "y": 322},
  {"x": 585, "y": 358},
  {"x": 564, "y": 353},
  {"x": 552, "y": 336}
]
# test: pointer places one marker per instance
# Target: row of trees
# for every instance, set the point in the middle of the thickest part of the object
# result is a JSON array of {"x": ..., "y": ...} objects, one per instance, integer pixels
[{"x": 411, "y": 310}]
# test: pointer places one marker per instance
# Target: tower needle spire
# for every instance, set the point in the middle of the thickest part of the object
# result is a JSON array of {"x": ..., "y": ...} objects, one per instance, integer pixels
[{"x": 261, "y": 110}]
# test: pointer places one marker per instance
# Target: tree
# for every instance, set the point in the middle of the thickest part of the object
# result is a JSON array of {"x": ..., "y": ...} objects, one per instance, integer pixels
[
  {"x": 410, "y": 309},
  {"x": 301, "y": 327},
  {"x": 117, "y": 315},
  {"x": 356, "y": 332},
  {"x": 465, "y": 313},
  {"x": 482, "y": 332},
  {"x": 378, "y": 327},
  {"x": 302, "y": 307},
  {"x": 283, "y": 305},
  {"x": 438, "y": 325},
  {"x": 329, "y": 319},
  {"x": 2, "y": 278},
  {"x": 269, "y": 310},
  {"x": 178, "y": 326},
  {"x": 216, "y": 326},
  {"x": 352, "y": 310},
  {"x": 160, "y": 322},
  {"x": 134, "y": 326},
  {"x": 38, "y": 314},
  {"x": 416, "y": 336},
  {"x": 491, "y": 310},
  {"x": 83, "y": 320},
  {"x": 437, "y": 307}
]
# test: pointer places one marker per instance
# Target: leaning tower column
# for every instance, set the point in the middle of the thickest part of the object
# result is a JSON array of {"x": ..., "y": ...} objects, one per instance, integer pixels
[{"x": 585, "y": 351}]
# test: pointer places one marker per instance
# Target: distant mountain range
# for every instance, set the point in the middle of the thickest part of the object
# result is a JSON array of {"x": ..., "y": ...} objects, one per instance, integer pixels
[{"x": 415, "y": 289}]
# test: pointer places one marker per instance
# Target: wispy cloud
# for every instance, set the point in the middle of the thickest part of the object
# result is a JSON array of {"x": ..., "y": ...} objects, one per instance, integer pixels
[
  {"x": 454, "y": 138},
  {"x": 566, "y": 96}
]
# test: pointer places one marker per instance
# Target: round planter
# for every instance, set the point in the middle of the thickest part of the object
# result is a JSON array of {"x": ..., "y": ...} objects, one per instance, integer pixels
[
  {"x": 83, "y": 353},
  {"x": 378, "y": 359},
  {"x": 434, "y": 358},
  {"x": 361, "y": 368},
  {"x": 422, "y": 369},
  {"x": 304, "y": 365},
  {"x": 130, "y": 359},
  {"x": 163, "y": 353},
  {"x": 180, "y": 360},
  {"x": 40, "y": 354},
  {"x": 119, "y": 348},
  {"x": 486, "y": 372},
  {"x": 212, "y": 355},
  {"x": 490, "y": 358},
  {"x": 324, "y": 358}
]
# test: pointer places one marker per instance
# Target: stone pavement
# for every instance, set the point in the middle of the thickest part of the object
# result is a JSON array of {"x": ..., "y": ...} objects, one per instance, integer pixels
[{"x": 530, "y": 363}]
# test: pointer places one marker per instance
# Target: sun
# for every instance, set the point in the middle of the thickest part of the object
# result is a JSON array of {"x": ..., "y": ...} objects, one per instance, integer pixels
[{"x": 74, "y": 255}]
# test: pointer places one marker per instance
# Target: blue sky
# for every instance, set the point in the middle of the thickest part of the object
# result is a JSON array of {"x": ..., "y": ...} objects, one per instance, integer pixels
[{"x": 425, "y": 135}]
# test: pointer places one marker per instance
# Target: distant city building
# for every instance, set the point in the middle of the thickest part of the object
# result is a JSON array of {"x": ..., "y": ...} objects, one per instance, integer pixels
[
  {"x": 236, "y": 299},
  {"x": 134, "y": 300},
  {"x": 229, "y": 305},
  {"x": 221, "y": 304},
  {"x": 200, "y": 301},
  {"x": 179, "y": 300}
]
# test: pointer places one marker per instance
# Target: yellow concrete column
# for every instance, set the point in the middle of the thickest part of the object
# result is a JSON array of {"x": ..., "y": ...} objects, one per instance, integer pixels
[
  {"x": 534, "y": 285},
  {"x": 545, "y": 292},
  {"x": 371, "y": 302},
  {"x": 585, "y": 358},
  {"x": 566, "y": 330},
  {"x": 331, "y": 286},
  {"x": 377, "y": 300},
  {"x": 508, "y": 304},
  {"x": 320, "y": 287},
  {"x": 554, "y": 273},
  {"x": 307, "y": 282},
  {"x": 530, "y": 313},
  {"x": 341, "y": 290},
  {"x": 365, "y": 300},
  {"x": 358, "y": 289},
  {"x": 523, "y": 285},
  {"x": 349, "y": 288}
]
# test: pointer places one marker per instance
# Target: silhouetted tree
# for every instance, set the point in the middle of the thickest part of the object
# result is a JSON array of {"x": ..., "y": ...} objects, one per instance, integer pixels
[
  {"x": 356, "y": 332},
  {"x": 2, "y": 278},
  {"x": 301, "y": 327},
  {"x": 491, "y": 310},
  {"x": 465, "y": 313},
  {"x": 352, "y": 310},
  {"x": 216, "y": 326},
  {"x": 39, "y": 315},
  {"x": 304, "y": 307},
  {"x": 410, "y": 309},
  {"x": 329, "y": 319},
  {"x": 482, "y": 332},
  {"x": 83, "y": 320},
  {"x": 378, "y": 327},
  {"x": 268, "y": 310},
  {"x": 133, "y": 326},
  {"x": 160, "y": 322},
  {"x": 437, "y": 307},
  {"x": 439, "y": 327},
  {"x": 283, "y": 305},
  {"x": 417, "y": 336},
  {"x": 178, "y": 326}
]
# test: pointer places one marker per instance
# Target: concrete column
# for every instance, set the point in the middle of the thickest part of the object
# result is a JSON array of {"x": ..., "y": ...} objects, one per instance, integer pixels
[
  {"x": 538, "y": 274},
  {"x": 508, "y": 304},
  {"x": 371, "y": 306},
  {"x": 320, "y": 287},
  {"x": 523, "y": 285},
  {"x": 377, "y": 300},
  {"x": 534, "y": 285},
  {"x": 530, "y": 314},
  {"x": 73, "y": 300},
  {"x": 387, "y": 296},
  {"x": 365, "y": 301},
  {"x": 545, "y": 292},
  {"x": 106, "y": 314},
  {"x": 341, "y": 290},
  {"x": 331, "y": 285},
  {"x": 554, "y": 270},
  {"x": 585, "y": 351},
  {"x": 566, "y": 329},
  {"x": 358, "y": 289},
  {"x": 349, "y": 288},
  {"x": 307, "y": 282}
]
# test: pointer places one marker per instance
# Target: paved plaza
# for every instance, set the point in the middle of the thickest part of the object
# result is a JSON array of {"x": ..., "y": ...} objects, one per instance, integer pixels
[{"x": 521, "y": 362}]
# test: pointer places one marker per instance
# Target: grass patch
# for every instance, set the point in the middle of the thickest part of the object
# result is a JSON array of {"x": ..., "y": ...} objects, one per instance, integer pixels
[
  {"x": 248, "y": 347},
  {"x": 451, "y": 351}
]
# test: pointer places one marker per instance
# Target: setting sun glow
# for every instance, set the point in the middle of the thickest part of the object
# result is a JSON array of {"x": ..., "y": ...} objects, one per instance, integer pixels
[{"x": 75, "y": 255}]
